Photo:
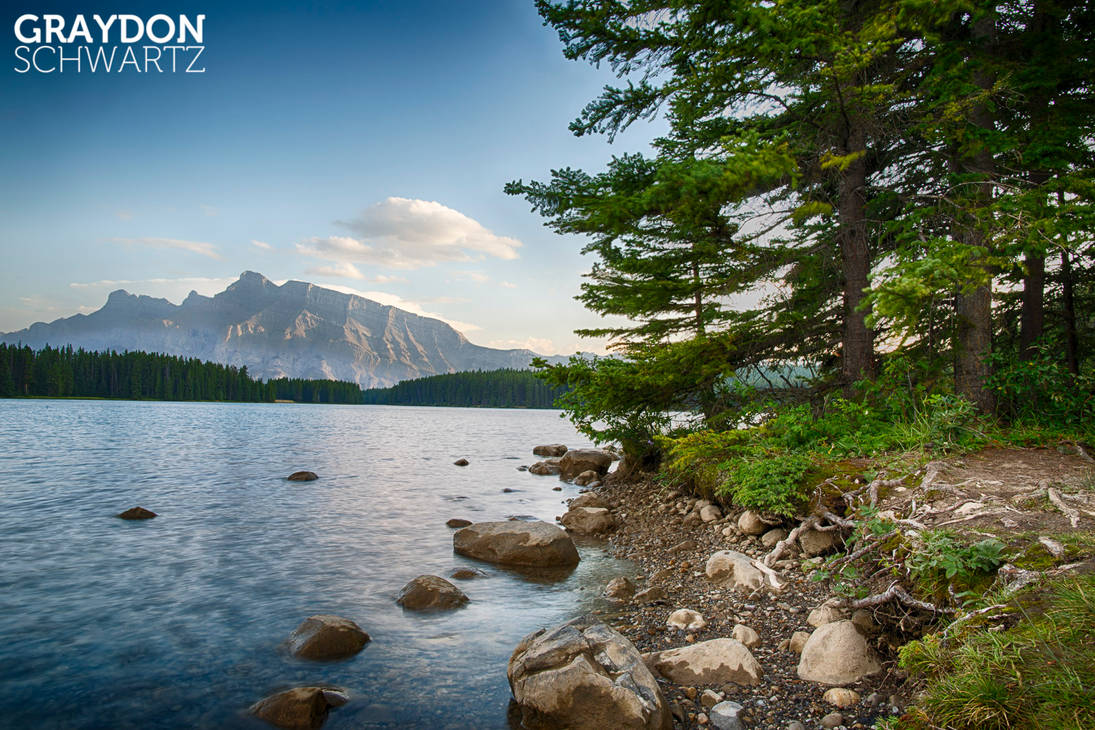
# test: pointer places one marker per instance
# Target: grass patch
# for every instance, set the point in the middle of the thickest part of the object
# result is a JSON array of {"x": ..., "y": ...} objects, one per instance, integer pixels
[{"x": 1038, "y": 674}]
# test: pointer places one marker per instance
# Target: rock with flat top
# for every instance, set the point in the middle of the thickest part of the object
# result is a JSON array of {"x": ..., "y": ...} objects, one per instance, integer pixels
[
  {"x": 685, "y": 619},
  {"x": 549, "y": 450},
  {"x": 588, "y": 520},
  {"x": 583, "y": 675},
  {"x": 717, "y": 661},
  {"x": 576, "y": 461},
  {"x": 533, "y": 544},
  {"x": 589, "y": 499}
]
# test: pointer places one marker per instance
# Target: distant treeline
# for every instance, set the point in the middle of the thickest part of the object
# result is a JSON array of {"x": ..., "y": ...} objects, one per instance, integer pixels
[
  {"x": 489, "y": 389},
  {"x": 60, "y": 372},
  {"x": 64, "y": 372}
]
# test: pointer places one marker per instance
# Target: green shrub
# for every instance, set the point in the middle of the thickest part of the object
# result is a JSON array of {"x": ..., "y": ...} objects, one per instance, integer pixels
[
  {"x": 772, "y": 482},
  {"x": 942, "y": 561}
]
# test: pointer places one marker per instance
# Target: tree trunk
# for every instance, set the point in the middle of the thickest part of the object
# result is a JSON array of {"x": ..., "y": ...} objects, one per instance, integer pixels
[
  {"x": 1032, "y": 319},
  {"x": 974, "y": 308},
  {"x": 1072, "y": 345},
  {"x": 858, "y": 340}
]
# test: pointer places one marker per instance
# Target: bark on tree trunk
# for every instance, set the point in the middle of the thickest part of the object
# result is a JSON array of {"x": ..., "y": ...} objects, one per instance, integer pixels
[
  {"x": 1068, "y": 302},
  {"x": 974, "y": 308},
  {"x": 1032, "y": 319},
  {"x": 858, "y": 340}
]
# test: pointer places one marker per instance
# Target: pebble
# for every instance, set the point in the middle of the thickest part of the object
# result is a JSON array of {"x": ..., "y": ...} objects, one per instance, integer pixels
[{"x": 833, "y": 719}]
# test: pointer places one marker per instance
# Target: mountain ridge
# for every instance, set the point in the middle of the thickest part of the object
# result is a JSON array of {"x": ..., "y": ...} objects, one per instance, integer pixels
[{"x": 296, "y": 330}]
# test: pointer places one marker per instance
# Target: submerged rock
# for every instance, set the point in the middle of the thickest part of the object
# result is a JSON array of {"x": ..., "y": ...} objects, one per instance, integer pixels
[
  {"x": 431, "y": 593},
  {"x": 457, "y": 522},
  {"x": 549, "y": 450},
  {"x": 460, "y": 462},
  {"x": 136, "y": 513},
  {"x": 467, "y": 574},
  {"x": 534, "y": 544},
  {"x": 583, "y": 675},
  {"x": 325, "y": 637},
  {"x": 303, "y": 476},
  {"x": 300, "y": 708}
]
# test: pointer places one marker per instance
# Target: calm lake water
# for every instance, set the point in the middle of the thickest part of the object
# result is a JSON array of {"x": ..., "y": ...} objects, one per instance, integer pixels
[{"x": 178, "y": 622}]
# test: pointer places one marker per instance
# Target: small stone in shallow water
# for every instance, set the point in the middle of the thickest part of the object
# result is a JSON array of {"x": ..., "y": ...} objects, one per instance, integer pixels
[
  {"x": 136, "y": 513},
  {"x": 457, "y": 522},
  {"x": 326, "y": 637},
  {"x": 460, "y": 462},
  {"x": 429, "y": 593},
  {"x": 300, "y": 708},
  {"x": 303, "y": 476}
]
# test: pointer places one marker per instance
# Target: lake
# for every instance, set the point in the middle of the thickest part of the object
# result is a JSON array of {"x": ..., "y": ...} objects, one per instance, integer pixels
[{"x": 179, "y": 622}]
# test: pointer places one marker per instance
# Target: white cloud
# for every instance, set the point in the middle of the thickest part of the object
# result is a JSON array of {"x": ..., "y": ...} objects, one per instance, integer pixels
[
  {"x": 174, "y": 290},
  {"x": 394, "y": 300},
  {"x": 403, "y": 233},
  {"x": 507, "y": 285},
  {"x": 123, "y": 215},
  {"x": 261, "y": 244},
  {"x": 198, "y": 247},
  {"x": 343, "y": 270},
  {"x": 539, "y": 345},
  {"x": 477, "y": 276}
]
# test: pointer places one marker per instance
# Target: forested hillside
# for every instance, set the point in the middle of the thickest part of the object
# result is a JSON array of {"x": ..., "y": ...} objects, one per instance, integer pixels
[
  {"x": 491, "y": 389},
  {"x": 65, "y": 372}
]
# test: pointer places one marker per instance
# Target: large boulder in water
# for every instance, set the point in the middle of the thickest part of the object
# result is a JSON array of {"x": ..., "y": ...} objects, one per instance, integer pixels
[
  {"x": 431, "y": 593},
  {"x": 583, "y": 675},
  {"x": 549, "y": 450},
  {"x": 534, "y": 544},
  {"x": 325, "y": 637},
  {"x": 303, "y": 476},
  {"x": 300, "y": 708},
  {"x": 588, "y": 520},
  {"x": 576, "y": 461}
]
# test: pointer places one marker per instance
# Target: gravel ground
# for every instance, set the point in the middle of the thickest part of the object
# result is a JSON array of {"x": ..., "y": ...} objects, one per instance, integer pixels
[{"x": 671, "y": 552}]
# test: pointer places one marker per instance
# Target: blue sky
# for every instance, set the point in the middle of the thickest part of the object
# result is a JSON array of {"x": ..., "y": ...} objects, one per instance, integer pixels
[{"x": 361, "y": 146}]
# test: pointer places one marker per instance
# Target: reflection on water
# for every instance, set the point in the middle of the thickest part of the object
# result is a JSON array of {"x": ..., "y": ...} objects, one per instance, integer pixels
[{"x": 179, "y": 621}]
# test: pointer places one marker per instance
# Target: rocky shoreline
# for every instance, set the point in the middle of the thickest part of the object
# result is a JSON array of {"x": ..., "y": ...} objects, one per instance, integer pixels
[{"x": 671, "y": 550}]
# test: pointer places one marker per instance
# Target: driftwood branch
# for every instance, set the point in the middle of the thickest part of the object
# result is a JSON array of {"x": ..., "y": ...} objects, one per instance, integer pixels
[
  {"x": 783, "y": 545},
  {"x": 896, "y": 592}
]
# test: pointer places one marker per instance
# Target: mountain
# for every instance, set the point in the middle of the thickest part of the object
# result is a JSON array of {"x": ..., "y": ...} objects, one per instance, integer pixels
[{"x": 296, "y": 330}]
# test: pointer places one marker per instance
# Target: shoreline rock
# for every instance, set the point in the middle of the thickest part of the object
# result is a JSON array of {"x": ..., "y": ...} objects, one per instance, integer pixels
[{"x": 531, "y": 544}]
